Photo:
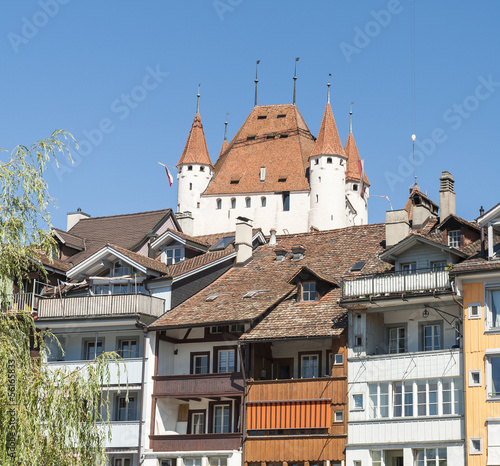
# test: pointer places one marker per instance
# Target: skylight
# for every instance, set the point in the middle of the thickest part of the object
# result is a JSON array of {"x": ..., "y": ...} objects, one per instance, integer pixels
[
  {"x": 358, "y": 266},
  {"x": 213, "y": 297},
  {"x": 223, "y": 243},
  {"x": 253, "y": 293}
]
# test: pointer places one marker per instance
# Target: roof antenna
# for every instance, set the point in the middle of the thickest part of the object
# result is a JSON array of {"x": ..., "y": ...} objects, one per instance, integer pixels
[
  {"x": 225, "y": 129},
  {"x": 328, "y": 92},
  {"x": 256, "y": 82},
  {"x": 350, "y": 118},
  {"x": 413, "y": 137},
  {"x": 295, "y": 78},
  {"x": 198, "y": 100}
]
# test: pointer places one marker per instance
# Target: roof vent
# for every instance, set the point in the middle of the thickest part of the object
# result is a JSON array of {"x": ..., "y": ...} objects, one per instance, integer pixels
[
  {"x": 250, "y": 138},
  {"x": 298, "y": 252},
  {"x": 272, "y": 237},
  {"x": 281, "y": 179},
  {"x": 280, "y": 254},
  {"x": 261, "y": 117},
  {"x": 253, "y": 293},
  {"x": 281, "y": 115}
]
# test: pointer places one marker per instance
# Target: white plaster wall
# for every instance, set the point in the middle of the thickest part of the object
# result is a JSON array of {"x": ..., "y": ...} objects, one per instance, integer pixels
[
  {"x": 163, "y": 291},
  {"x": 187, "y": 199},
  {"x": 360, "y": 204}
]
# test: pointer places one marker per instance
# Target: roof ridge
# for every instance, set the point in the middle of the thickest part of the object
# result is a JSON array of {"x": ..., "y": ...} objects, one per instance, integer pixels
[{"x": 121, "y": 215}]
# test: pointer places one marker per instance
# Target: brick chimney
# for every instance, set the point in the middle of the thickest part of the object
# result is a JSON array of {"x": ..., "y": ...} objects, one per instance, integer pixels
[
  {"x": 446, "y": 195},
  {"x": 243, "y": 240}
]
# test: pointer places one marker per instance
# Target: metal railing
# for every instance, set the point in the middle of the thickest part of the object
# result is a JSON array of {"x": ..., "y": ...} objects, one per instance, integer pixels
[
  {"x": 19, "y": 302},
  {"x": 385, "y": 284}
]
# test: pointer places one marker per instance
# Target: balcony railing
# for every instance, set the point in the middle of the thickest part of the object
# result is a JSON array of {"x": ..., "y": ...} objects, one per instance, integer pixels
[
  {"x": 19, "y": 302},
  {"x": 198, "y": 385},
  {"x": 196, "y": 442},
  {"x": 387, "y": 284},
  {"x": 101, "y": 305}
]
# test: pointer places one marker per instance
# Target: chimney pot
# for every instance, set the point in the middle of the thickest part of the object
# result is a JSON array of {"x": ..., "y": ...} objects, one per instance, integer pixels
[
  {"x": 243, "y": 241},
  {"x": 446, "y": 195},
  {"x": 272, "y": 238}
]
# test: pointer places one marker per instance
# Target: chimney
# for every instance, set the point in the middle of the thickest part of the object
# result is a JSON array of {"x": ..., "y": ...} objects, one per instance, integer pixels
[
  {"x": 272, "y": 238},
  {"x": 446, "y": 195},
  {"x": 186, "y": 222},
  {"x": 74, "y": 217},
  {"x": 397, "y": 226},
  {"x": 243, "y": 241}
]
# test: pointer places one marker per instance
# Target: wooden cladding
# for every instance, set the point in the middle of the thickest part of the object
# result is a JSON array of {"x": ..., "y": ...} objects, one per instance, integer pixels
[{"x": 310, "y": 414}]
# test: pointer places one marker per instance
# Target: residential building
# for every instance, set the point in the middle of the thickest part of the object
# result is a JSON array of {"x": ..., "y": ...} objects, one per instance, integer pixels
[{"x": 478, "y": 285}]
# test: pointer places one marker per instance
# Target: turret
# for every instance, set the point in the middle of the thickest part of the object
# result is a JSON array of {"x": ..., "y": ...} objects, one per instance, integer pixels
[
  {"x": 327, "y": 170},
  {"x": 356, "y": 191},
  {"x": 194, "y": 169}
]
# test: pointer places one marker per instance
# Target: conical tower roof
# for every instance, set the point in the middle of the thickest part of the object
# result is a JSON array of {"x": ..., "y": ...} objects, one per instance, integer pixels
[
  {"x": 353, "y": 170},
  {"x": 195, "y": 150},
  {"x": 224, "y": 147},
  {"x": 328, "y": 141}
]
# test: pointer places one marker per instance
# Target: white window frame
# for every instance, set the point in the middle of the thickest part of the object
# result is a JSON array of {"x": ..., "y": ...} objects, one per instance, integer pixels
[
  {"x": 338, "y": 416},
  {"x": 491, "y": 354},
  {"x": 398, "y": 339},
  {"x": 376, "y": 406},
  {"x": 131, "y": 414},
  {"x": 86, "y": 353},
  {"x": 473, "y": 315},
  {"x": 472, "y": 383},
  {"x": 473, "y": 450},
  {"x": 124, "y": 355},
  {"x": 433, "y": 326},
  {"x": 435, "y": 461},
  {"x": 308, "y": 370},
  {"x": 358, "y": 396},
  {"x": 338, "y": 359},
  {"x": 225, "y": 409},
  {"x": 407, "y": 388},
  {"x": 262, "y": 174},
  {"x": 121, "y": 461},
  {"x": 489, "y": 324},
  {"x": 177, "y": 255},
  {"x": 453, "y": 241},
  {"x": 248, "y": 202}
]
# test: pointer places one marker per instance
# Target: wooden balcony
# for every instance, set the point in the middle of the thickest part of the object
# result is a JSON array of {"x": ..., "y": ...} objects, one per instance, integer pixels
[
  {"x": 387, "y": 284},
  {"x": 78, "y": 307},
  {"x": 196, "y": 442},
  {"x": 198, "y": 385}
]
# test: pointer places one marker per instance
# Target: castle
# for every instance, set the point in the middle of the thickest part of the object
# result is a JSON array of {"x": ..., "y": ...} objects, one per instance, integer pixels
[{"x": 275, "y": 173}]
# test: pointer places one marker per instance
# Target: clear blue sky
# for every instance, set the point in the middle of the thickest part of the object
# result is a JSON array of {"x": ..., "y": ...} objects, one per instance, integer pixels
[{"x": 99, "y": 70}]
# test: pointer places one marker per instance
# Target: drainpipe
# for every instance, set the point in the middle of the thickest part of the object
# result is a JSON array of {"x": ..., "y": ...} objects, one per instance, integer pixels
[
  {"x": 146, "y": 337},
  {"x": 243, "y": 405}
]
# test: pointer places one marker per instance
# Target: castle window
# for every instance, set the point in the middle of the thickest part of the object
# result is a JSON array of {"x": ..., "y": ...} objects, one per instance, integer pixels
[
  {"x": 329, "y": 160},
  {"x": 262, "y": 173},
  {"x": 190, "y": 168},
  {"x": 281, "y": 115},
  {"x": 190, "y": 186},
  {"x": 250, "y": 138},
  {"x": 286, "y": 201},
  {"x": 316, "y": 161},
  {"x": 281, "y": 179},
  {"x": 317, "y": 198},
  {"x": 202, "y": 169},
  {"x": 261, "y": 117},
  {"x": 263, "y": 201},
  {"x": 248, "y": 202},
  {"x": 270, "y": 136},
  {"x": 354, "y": 187},
  {"x": 219, "y": 203},
  {"x": 283, "y": 136},
  {"x": 233, "y": 203}
]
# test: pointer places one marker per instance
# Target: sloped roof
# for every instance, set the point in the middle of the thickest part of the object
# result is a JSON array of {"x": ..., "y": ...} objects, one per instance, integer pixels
[
  {"x": 53, "y": 263},
  {"x": 272, "y": 136},
  {"x": 329, "y": 253},
  {"x": 196, "y": 150},
  {"x": 328, "y": 141},
  {"x": 415, "y": 191},
  {"x": 352, "y": 169},
  {"x": 152, "y": 264},
  {"x": 69, "y": 240}
]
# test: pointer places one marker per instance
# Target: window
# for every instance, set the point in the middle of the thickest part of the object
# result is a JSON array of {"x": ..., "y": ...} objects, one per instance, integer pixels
[
  {"x": 220, "y": 461},
  {"x": 101, "y": 289},
  {"x": 339, "y": 359},
  {"x": 493, "y": 375},
  {"x": 200, "y": 362},
  {"x": 236, "y": 328},
  {"x": 192, "y": 461},
  {"x": 339, "y": 416},
  {"x": 357, "y": 402},
  {"x": 263, "y": 201},
  {"x": 410, "y": 267},
  {"x": 128, "y": 348},
  {"x": 121, "y": 462},
  {"x": 286, "y": 201},
  {"x": 493, "y": 307},
  {"x": 93, "y": 349},
  {"x": 261, "y": 117},
  {"x": 474, "y": 310},
  {"x": 216, "y": 329},
  {"x": 262, "y": 174},
  {"x": 431, "y": 337},
  {"x": 379, "y": 400},
  {"x": 354, "y": 187},
  {"x": 167, "y": 463},
  {"x": 476, "y": 446},
  {"x": 202, "y": 169},
  {"x": 119, "y": 269},
  {"x": 358, "y": 340},
  {"x": 475, "y": 379},
  {"x": 316, "y": 161},
  {"x": 221, "y": 423},
  {"x": 190, "y": 186},
  {"x": 438, "y": 266},
  {"x": 397, "y": 340},
  {"x": 196, "y": 421},
  {"x": 356, "y": 463},
  {"x": 225, "y": 359},
  {"x": 377, "y": 457},
  {"x": 309, "y": 365},
  {"x": 233, "y": 203},
  {"x": 281, "y": 115},
  {"x": 431, "y": 457},
  {"x": 126, "y": 410},
  {"x": 219, "y": 204},
  {"x": 121, "y": 288},
  {"x": 329, "y": 160},
  {"x": 174, "y": 255},
  {"x": 190, "y": 168},
  {"x": 309, "y": 291},
  {"x": 248, "y": 202},
  {"x": 403, "y": 399},
  {"x": 454, "y": 239}
]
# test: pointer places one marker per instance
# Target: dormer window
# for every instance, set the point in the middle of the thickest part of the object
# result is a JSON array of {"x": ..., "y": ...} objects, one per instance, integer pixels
[
  {"x": 454, "y": 239},
  {"x": 174, "y": 256},
  {"x": 308, "y": 291}
]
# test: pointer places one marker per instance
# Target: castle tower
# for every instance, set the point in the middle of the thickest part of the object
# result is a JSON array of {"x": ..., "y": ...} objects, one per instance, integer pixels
[
  {"x": 327, "y": 171},
  {"x": 194, "y": 171},
  {"x": 357, "y": 192}
]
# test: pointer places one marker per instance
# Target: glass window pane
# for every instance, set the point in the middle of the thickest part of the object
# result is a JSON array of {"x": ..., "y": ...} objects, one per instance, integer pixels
[{"x": 433, "y": 398}]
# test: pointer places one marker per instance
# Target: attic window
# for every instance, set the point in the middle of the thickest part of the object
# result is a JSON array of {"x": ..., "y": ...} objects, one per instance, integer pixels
[
  {"x": 223, "y": 243},
  {"x": 270, "y": 136},
  {"x": 250, "y": 138},
  {"x": 281, "y": 115},
  {"x": 262, "y": 173},
  {"x": 357, "y": 266},
  {"x": 282, "y": 136},
  {"x": 234, "y": 181},
  {"x": 308, "y": 291},
  {"x": 261, "y": 117},
  {"x": 454, "y": 239},
  {"x": 281, "y": 179}
]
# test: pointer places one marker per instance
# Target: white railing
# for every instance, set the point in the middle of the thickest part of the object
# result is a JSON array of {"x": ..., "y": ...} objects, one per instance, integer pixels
[
  {"x": 386, "y": 284},
  {"x": 102, "y": 305},
  {"x": 19, "y": 302}
]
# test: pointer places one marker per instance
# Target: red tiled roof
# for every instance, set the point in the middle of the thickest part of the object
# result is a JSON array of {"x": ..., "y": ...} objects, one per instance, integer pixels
[
  {"x": 195, "y": 150},
  {"x": 352, "y": 169},
  {"x": 328, "y": 141},
  {"x": 224, "y": 147},
  {"x": 272, "y": 136}
]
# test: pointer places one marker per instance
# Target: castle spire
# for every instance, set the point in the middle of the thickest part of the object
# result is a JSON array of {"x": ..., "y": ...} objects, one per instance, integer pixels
[
  {"x": 350, "y": 119},
  {"x": 198, "y": 100},
  {"x": 295, "y": 78},
  {"x": 224, "y": 143},
  {"x": 353, "y": 171}
]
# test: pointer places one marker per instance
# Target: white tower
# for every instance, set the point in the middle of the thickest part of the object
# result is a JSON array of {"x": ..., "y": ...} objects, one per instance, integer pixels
[
  {"x": 327, "y": 171},
  {"x": 194, "y": 172},
  {"x": 357, "y": 190}
]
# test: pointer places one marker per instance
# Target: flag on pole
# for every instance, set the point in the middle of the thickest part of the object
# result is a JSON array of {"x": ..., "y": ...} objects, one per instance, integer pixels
[
  {"x": 361, "y": 165},
  {"x": 169, "y": 175}
]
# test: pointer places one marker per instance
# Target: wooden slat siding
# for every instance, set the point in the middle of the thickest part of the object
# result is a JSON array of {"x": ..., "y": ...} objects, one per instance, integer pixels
[
  {"x": 294, "y": 449},
  {"x": 289, "y": 415},
  {"x": 84, "y": 306},
  {"x": 196, "y": 442},
  {"x": 198, "y": 384}
]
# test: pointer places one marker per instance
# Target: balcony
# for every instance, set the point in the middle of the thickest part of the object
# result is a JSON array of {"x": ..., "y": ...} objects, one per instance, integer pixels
[
  {"x": 99, "y": 306},
  {"x": 120, "y": 372},
  {"x": 124, "y": 434},
  {"x": 19, "y": 302},
  {"x": 397, "y": 283},
  {"x": 198, "y": 385},
  {"x": 196, "y": 442}
]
